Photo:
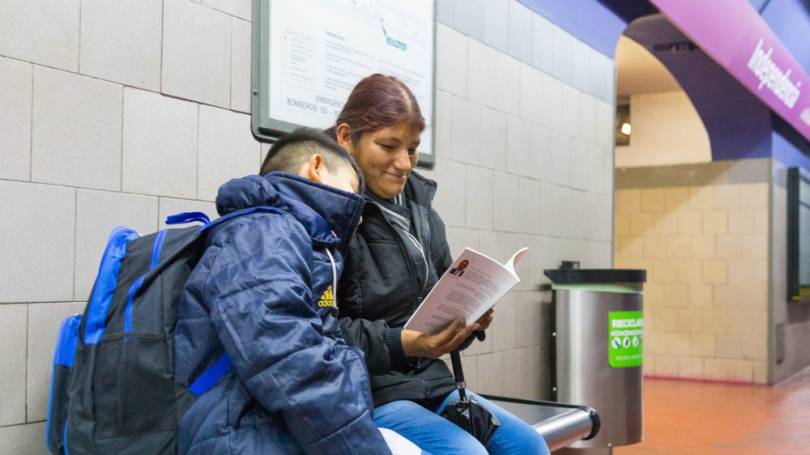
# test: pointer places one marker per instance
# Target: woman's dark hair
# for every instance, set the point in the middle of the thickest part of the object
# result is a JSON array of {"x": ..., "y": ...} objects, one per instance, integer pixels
[{"x": 377, "y": 102}]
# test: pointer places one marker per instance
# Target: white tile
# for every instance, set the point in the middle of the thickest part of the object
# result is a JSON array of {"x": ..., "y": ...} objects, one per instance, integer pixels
[
  {"x": 530, "y": 269},
  {"x": 604, "y": 129},
  {"x": 240, "y": 65},
  {"x": 171, "y": 206},
  {"x": 43, "y": 328},
  {"x": 570, "y": 110},
  {"x": 529, "y": 205},
  {"x": 504, "y": 324},
  {"x": 560, "y": 158},
  {"x": 120, "y": 41},
  {"x": 451, "y": 177},
  {"x": 469, "y": 18},
  {"x": 479, "y": 198},
  {"x": 196, "y": 53},
  {"x": 23, "y": 439},
  {"x": 496, "y": 24},
  {"x": 15, "y": 119},
  {"x": 532, "y": 100},
  {"x": 97, "y": 214},
  {"x": 470, "y": 365},
  {"x": 460, "y": 238},
  {"x": 529, "y": 319},
  {"x": 442, "y": 124},
  {"x": 552, "y": 210},
  {"x": 542, "y": 44},
  {"x": 588, "y": 122},
  {"x": 522, "y": 372},
  {"x": 580, "y": 165},
  {"x": 493, "y": 139},
  {"x": 76, "y": 138},
  {"x": 540, "y": 159},
  {"x": 520, "y": 31},
  {"x": 490, "y": 373},
  {"x": 481, "y": 73},
  {"x": 227, "y": 149},
  {"x": 160, "y": 145},
  {"x": 579, "y": 64},
  {"x": 563, "y": 66},
  {"x": 508, "y": 86},
  {"x": 451, "y": 60},
  {"x": 41, "y": 31},
  {"x": 552, "y": 103},
  {"x": 444, "y": 12},
  {"x": 507, "y": 208},
  {"x": 36, "y": 242},
  {"x": 518, "y": 146},
  {"x": 465, "y": 124},
  {"x": 239, "y": 8},
  {"x": 12, "y": 363}
]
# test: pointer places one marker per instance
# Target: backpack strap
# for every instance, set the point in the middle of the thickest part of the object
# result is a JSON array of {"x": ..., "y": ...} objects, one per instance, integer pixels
[
  {"x": 238, "y": 213},
  {"x": 211, "y": 375},
  {"x": 188, "y": 217}
]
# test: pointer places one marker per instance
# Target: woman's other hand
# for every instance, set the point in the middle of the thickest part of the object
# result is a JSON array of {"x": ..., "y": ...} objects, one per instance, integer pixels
[
  {"x": 485, "y": 320},
  {"x": 420, "y": 344}
]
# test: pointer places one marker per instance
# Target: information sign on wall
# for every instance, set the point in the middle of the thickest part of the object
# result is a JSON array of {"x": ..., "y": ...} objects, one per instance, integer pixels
[{"x": 309, "y": 54}]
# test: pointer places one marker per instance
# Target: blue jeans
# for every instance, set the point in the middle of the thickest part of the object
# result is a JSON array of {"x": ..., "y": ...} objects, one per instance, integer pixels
[{"x": 437, "y": 435}]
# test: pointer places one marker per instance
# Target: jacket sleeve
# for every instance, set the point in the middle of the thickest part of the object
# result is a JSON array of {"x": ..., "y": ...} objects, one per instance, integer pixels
[
  {"x": 259, "y": 289},
  {"x": 380, "y": 343},
  {"x": 439, "y": 248}
]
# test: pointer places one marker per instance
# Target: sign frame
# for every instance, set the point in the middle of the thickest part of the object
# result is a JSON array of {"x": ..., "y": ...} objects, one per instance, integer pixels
[{"x": 267, "y": 129}]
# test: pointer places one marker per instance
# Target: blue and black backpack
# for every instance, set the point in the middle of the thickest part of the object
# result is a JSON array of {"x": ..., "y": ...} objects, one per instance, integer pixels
[{"x": 112, "y": 386}]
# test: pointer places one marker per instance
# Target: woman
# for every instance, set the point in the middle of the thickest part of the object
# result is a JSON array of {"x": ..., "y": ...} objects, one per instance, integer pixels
[{"x": 392, "y": 263}]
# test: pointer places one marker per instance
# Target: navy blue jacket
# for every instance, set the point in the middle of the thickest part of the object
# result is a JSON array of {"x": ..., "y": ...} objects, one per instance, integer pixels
[{"x": 263, "y": 292}]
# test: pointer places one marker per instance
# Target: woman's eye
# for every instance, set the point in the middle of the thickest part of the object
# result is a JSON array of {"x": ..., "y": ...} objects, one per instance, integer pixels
[
  {"x": 411, "y": 151},
  {"x": 388, "y": 147}
]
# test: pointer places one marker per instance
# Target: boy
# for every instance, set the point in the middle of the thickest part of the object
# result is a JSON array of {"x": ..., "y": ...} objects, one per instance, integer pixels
[{"x": 264, "y": 293}]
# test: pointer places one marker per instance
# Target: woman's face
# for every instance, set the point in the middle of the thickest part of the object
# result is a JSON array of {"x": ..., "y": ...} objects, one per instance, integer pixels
[{"x": 386, "y": 156}]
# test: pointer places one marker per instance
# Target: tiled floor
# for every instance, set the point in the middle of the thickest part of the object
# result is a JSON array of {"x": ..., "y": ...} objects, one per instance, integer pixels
[{"x": 683, "y": 417}]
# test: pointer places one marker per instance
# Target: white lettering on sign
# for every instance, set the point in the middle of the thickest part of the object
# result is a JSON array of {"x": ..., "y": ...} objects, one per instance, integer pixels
[
  {"x": 771, "y": 76},
  {"x": 627, "y": 323},
  {"x": 805, "y": 116}
]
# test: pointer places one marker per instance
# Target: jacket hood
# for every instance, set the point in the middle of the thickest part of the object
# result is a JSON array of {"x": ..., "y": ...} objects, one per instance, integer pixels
[{"x": 328, "y": 214}]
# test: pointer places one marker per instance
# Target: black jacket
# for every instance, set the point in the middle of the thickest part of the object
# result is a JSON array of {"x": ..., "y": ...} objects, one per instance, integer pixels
[{"x": 381, "y": 287}]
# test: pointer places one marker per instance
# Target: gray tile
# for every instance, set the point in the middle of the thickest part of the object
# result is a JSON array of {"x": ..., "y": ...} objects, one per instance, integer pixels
[
  {"x": 532, "y": 98},
  {"x": 460, "y": 238},
  {"x": 451, "y": 177},
  {"x": 44, "y": 320},
  {"x": 469, "y": 18},
  {"x": 508, "y": 84},
  {"x": 120, "y": 41},
  {"x": 521, "y": 20},
  {"x": 76, "y": 137},
  {"x": 442, "y": 124},
  {"x": 605, "y": 116},
  {"x": 41, "y": 31},
  {"x": 529, "y": 197},
  {"x": 504, "y": 324},
  {"x": 490, "y": 373},
  {"x": 530, "y": 324},
  {"x": 580, "y": 169},
  {"x": 588, "y": 122},
  {"x": 465, "y": 122},
  {"x": 560, "y": 158},
  {"x": 507, "y": 208},
  {"x": 15, "y": 119},
  {"x": 32, "y": 268},
  {"x": 227, "y": 150},
  {"x": 540, "y": 158},
  {"x": 240, "y": 65},
  {"x": 196, "y": 53},
  {"x": 451, "y": 60},
  {"x": 552, "y": 104},
  {"x": 518, "y": 146},
  {"x": 580, "y": 65},
  {"x": 445, "y": 13},
  {"x": 496, "y": 24},
  {"x": 23, "y": 439},
  {"x": 12, "y": 363},
  {"x": 480, "y": 204},
  {"x": 97, "y": 214},
  {"x": 570, "y": 110},
  {"x": 160, "y": 145},
  {"x": 552, "y": 210},
  {"x": 530, "y": 269}
]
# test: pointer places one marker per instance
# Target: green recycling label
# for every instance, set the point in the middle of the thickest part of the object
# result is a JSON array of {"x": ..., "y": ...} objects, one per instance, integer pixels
[{"x": 625, "y": 338}]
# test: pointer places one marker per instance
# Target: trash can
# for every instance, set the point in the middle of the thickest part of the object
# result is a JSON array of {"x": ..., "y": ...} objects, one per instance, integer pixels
[{"x": 598, "y": 333}]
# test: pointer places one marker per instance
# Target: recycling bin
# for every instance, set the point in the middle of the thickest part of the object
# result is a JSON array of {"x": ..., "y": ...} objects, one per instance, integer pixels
[{"x": 598, "y": 355}]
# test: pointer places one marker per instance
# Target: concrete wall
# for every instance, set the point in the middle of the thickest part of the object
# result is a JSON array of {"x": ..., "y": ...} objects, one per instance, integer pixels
[
  {"x": 702, "y": 233},
  {"x": 124, "y": 113},
  {"x": 666, "y": 130}
]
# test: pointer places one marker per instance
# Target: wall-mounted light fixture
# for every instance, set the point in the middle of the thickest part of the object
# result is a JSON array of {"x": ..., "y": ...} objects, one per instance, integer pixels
[{"x": 623, "y": 126}]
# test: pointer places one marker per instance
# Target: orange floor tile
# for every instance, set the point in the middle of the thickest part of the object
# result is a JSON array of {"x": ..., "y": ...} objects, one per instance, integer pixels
[{"x": 684, "y": 417}]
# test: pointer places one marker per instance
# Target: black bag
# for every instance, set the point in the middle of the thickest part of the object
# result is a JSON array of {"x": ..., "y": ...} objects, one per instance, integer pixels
[{"x": 112, "y": 385}]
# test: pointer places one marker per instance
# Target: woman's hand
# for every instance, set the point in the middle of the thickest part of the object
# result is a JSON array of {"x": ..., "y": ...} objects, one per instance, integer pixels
[
  {"x": 420, "y": 344},
  {"x": 485, "y": 320}
]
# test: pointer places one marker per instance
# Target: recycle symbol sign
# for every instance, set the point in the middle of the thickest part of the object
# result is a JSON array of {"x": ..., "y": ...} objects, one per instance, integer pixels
[
  {"x": 617, "y": 342},
  {"x": 626, "y": 342},
  {"x": 636, "y": 341}
]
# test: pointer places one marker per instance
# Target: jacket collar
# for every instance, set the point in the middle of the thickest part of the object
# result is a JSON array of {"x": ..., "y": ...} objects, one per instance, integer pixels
[{"x": 328, "y": 214}]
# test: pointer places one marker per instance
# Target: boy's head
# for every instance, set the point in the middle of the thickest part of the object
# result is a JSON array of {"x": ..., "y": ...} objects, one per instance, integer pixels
[{"x": 311, "y": 154}]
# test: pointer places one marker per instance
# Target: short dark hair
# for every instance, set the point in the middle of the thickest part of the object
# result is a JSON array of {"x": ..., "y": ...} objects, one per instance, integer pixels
[{"x": 292, "y": 150}]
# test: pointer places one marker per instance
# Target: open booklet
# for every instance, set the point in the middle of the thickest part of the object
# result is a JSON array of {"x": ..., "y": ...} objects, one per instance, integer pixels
[{"x": 471, "y": 286}]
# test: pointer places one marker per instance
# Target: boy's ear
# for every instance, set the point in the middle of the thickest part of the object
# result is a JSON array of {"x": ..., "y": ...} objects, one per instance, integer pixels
[{"x": 315, "y": 167}]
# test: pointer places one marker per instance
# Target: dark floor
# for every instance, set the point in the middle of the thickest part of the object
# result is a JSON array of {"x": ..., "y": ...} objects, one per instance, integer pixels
[{"x": 685, "y": 417}]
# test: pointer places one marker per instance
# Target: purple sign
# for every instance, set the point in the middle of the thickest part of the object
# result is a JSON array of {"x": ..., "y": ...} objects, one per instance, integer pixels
[{"x": 738, "y": 39}]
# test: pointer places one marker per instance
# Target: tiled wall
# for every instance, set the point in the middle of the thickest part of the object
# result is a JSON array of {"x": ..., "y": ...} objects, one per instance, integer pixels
[
  {"x": 702, "y": 233},
  {"x": 124, "y": 113}
]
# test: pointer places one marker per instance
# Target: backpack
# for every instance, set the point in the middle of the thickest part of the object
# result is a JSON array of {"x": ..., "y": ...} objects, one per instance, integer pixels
[{"x": 112, "y": 383}]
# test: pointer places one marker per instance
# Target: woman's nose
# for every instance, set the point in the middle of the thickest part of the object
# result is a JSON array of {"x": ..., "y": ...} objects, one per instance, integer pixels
[{"x": 403, "y": 161}]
